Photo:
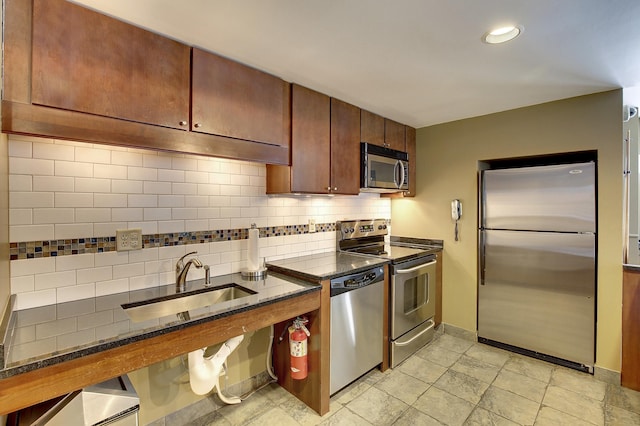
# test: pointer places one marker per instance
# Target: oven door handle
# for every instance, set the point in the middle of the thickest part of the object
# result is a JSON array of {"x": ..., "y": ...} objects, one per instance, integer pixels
[
  {"x": 431, "y": 325},
  {"x": 415, "y": 268}
]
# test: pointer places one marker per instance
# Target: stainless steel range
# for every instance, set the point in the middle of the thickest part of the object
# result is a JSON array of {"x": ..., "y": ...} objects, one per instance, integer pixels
[{"x": 413, "y": 279}]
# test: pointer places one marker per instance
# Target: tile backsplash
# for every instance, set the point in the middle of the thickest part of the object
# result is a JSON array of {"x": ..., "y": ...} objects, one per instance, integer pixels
[{"x": 67, "y": 199}]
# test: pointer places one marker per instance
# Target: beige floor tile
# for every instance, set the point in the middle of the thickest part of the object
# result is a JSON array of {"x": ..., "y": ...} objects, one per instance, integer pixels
[
  {"x": 624, "y": 398},
  {"x": 451, "y": 343},
  {"x": 615, "y": 416},
  {"x": 377, "y": 407},
  {"x": 402, "y": 386},
  {"x": 346, "y": 395},
  {"x": 529, "y": 367},
  {"x": 438, "y": 355},
  {"x": 552, "y": 417},
  {"x": 576, "y": 381},
  {"x": 345, "y": 417},
  {"x": 574, "y": 404},
  {"x": 422, "y": 369},
  {"x": 413, "y": 417},
  {"x": 509, "y": 405},
  {"x": 247, "y": 410},
  {"x": 521, "y": 385},
  {"x": 463, "y": 386},
  {"x": 303, "y": 415},
  {"x": 475, "y": 368},
  {"x": 444, "y": 407},
  {"x": 274, "y": 417},
  {"x": 482, "y": 417},
  {"x": 488, "y": 354}
]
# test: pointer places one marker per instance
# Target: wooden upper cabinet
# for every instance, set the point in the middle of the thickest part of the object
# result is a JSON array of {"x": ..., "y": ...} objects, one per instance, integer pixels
[
  {"x": 233, "y": 100},
  {"x": 410, "y": 133},
  {"x": 371, "y": 128},
  {"x": 310, "y": 140},
  {"x": 394, "y": 135},
  {"x": 345, "y": 148},
  {"x": 88, "y": 62}
]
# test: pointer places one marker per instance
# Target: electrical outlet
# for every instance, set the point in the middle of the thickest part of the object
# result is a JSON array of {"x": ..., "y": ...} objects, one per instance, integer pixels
[
  {"x": 312, "y": 225},
  {"x": 128, "y": 239}
]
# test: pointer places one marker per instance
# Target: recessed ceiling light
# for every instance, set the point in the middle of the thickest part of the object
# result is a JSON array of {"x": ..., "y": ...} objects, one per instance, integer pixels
[{"x": 502, "y": 35}]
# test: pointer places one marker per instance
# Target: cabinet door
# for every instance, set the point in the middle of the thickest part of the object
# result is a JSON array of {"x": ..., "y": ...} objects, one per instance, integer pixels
[
  {"x": 345, "y": 148},
  {"x": 88, "y": 62},
  {"x": 371, "y": 128},
  {"x": 394, "y": 135},
  {"x": 411, "y": 150},
  {"x": 310, "y": 140},
  {"x": 233, "y": 100}
]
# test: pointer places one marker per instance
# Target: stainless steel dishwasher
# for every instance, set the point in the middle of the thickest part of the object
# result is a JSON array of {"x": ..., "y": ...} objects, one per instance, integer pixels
[{"x": 356, "y": 326}]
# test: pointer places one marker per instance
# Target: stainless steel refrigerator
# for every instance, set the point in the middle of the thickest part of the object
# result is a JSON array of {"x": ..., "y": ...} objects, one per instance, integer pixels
[{"x": 537, "y": 284}]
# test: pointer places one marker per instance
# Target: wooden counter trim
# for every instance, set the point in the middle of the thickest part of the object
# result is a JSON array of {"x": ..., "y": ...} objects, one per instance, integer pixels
[
  {"x": 23, "y": 390},
  {"x": 35, "y": 120},
  {"x": 630, "y": 371}
]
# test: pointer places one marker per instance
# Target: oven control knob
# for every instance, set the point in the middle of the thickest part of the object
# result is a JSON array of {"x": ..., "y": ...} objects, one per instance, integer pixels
[{"x": 382, "y": 226}]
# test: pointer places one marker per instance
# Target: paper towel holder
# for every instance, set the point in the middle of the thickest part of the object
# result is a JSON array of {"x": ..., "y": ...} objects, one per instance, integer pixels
[{"x": 261, "y": 271}]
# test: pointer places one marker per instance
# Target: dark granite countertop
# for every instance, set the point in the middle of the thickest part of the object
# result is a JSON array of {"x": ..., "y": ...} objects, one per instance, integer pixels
[
  {"x": 47, "y": 335},
  {"x": 325, "y": 266},
  {"x": 630, "y": 267}
]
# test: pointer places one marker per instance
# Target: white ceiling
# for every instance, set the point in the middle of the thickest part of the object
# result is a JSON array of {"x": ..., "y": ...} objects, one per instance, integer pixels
[{"x": 420, "y": 62}]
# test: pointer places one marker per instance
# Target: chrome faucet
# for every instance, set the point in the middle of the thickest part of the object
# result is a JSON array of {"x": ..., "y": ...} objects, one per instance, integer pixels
[{"x": 182, "y": 269}]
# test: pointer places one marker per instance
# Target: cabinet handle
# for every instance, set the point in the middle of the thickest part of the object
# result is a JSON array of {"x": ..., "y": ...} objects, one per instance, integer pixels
[
  {"x": 328, "y": 188},
  {"x": 183, "y": 123},
  {"x": 197, "y": 125},
  {"x": 335, "y": 188}
]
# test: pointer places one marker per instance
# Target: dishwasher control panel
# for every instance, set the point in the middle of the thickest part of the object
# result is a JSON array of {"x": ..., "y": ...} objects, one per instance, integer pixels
[{"x": 354, "y": 281}]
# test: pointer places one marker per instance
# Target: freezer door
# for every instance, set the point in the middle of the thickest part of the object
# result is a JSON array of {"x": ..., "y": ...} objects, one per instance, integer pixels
[
  {"x": 537, "y": 292},
  {"x": 545, "y": 198}
]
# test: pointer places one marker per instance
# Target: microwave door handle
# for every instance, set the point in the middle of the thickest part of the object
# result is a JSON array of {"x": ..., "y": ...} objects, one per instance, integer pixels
[
  {"x": 402, "y": 175},
  {"x": 399, "y": 174}
]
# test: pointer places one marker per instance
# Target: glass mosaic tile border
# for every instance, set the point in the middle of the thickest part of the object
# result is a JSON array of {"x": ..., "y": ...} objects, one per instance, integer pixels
[{"x": 67, "y": 247}]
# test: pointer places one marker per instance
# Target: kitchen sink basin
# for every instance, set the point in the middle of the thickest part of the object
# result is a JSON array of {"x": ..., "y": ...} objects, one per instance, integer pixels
[{"x": 180, "y": 303}]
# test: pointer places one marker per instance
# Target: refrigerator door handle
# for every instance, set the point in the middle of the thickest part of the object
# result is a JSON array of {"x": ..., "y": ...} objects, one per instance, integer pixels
[{"x": 482, "y": 237}]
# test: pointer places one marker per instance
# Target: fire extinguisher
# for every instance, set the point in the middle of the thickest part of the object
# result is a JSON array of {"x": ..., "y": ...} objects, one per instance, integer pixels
[{"x": 298, "y": 334}]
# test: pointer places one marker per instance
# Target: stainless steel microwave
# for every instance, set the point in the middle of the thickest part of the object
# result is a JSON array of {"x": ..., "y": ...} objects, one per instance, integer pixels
[{"x": 383, "y": 169}]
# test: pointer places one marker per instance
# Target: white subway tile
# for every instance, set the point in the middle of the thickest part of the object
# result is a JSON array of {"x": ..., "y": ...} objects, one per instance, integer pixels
[
  {"x": 142, "y": 282},
  {"x": 53, "y": 184},
  {"x": 126, "y": 158},
  {"x": 92, "y": 275},
  {"x": 30, "y": 166},
  {"x": 20, "y": 216},
  {"x": 251, "y": 169},
  {"x": 252, "y": 191},
  {"x": 73, "y": 230},
  {"x": 220, "y": 201},
  {"x": 26, "y": 138},
  {"x": 55, "y": 280},
  {"x": 196, "y": 201},
  {"x": 220, "y": 247},
  {"x": 183, "y": 213},
  {"x": 166, "y": 226},
  {"x": 157, "y": 188},
  {"x": 157, "y": 214},
  {"x": 104, "y": 288},
  {"x": 241, "y": 222},
  {"x": 111, "y": 258},
  {"x": 128, "y": 270},
  {"x": 20, "y": 183},
  {"x": 109, "y": 171},
  {"x": 239, "y": 180},
  {"x": 35, "y": 299},
  {"x": 52, "y": 151},
  {"x": 219, "y": 178},
  {"x": 208, "y": 189},
  {"x": 19, "y": 233},
  {"x": 70, "y": 168},
  {"x": 142, "y": 173},
  {"x": 196, "y": 177},
  {"x": 140, "y": 200},
  {"x": 170, "y": 200},
  {"x": 171, "y": 175},
  {"x": 159, "y": 267},
  {"x": 209, "y": 213},
  {"x": 22, "y": 284},
  {"x": 230, "y": 190},
  {"x": 126, "y": 186},
  {"x": 144, "y": 255},
  {"x": 171, "y": 252},
  {"x": 157, "y": 161},
  {"x": 184, "y": 188},
  {"x": 249, "y": 212},
  {"x": 147, "y": 227},
  {"x": 93, "y": 215},
  {"x": 92, "y": 155},
  {"x": 184, "y": 163},
  {"x": 18, "y": 148},
  {"x": 107, "y": 229},
  {"x": 76, "y": 292},
  {"x": 231, "y": 167},
  {"x": 258, "y": 181},
  {"x": 92, "y": 185},
  {"x": 73, "y": 199},
  {"x": 126, "y": 215},
  {"x": 41, "y": 216},
  {"x": 230, "y": 212},
  {"x": 109, "y": 200},
  {"x": 208, "y": 165},
  {"x": 215, "y": 224},
  {"x": 196, "y": 225}
]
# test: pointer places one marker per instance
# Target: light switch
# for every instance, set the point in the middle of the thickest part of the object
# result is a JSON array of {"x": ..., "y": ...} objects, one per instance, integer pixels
[{"x": 128, "y": 239}]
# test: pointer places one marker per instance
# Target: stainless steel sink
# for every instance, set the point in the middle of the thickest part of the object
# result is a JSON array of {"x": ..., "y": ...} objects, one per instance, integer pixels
[{"x": 181, "y": 303}]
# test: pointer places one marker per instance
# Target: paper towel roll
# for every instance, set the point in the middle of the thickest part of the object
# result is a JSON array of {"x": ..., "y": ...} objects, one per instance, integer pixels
[{"x": 253, "y": 264}]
